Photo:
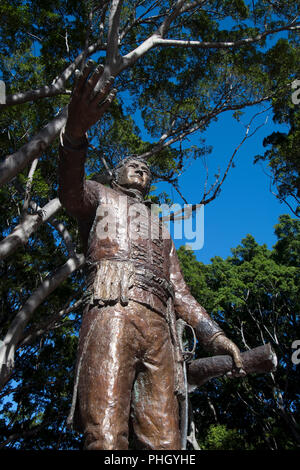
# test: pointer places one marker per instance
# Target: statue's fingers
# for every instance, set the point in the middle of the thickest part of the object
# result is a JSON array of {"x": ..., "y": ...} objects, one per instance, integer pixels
[
  {"x": 81, "y": 77},
  {"x": 92, "y": 81},
  {"x": 235, "y": 373},
  {"x": 100, "y": 95},
  {"x": 107, "y": 102},
  {"x": 237, "y": 359}
]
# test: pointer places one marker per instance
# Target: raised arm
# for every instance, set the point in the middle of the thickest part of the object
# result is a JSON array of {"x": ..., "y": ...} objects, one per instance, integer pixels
[
  {"x": 86, "y": 107},
  {"x": 208, "y": 332}
]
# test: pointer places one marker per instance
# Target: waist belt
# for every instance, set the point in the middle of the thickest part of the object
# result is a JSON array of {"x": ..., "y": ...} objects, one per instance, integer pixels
[
  {"x": 148, "y": 280},
  {"x": 110, "y": 280}
]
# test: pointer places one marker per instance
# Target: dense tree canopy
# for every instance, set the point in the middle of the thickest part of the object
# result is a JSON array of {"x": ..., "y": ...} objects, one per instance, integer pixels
[
  {"x": 254, "y": 296},
  {"x": 178, "y": 65}
]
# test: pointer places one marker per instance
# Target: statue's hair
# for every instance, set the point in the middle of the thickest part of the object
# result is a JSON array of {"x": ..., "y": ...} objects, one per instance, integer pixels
[{"x": 117, "y": 169}]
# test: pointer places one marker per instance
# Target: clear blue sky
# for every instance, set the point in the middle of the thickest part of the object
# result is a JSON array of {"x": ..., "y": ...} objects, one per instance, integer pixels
[{"x": 245, "y": 204}]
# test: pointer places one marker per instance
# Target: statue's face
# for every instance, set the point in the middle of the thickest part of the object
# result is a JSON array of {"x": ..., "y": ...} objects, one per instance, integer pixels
[{"x": 134, "y": 174}]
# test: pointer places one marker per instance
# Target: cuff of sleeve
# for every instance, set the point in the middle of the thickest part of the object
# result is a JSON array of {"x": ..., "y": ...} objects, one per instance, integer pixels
[
  {"x": 211, "y": 340},
  {"x": 207, "y": 330},
  {"x": 69, "y": 143}
]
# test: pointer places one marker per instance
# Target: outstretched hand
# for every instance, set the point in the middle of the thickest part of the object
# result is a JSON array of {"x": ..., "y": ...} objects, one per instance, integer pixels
[{"x": 87, "y": 105}]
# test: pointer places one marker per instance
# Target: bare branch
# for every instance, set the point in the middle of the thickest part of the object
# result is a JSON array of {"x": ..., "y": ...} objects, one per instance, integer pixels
[
  {"x": 140, "y": 20},
  {"x": 130, "y": 58},
  {"x": 58, "y": 85},
  {"x": 15, "y": 331},
  {"x": 163, "y": 29},
  {"x": 88, "y": 33},
  {"x": 29, "y": 185},
  {"x": 174, "y": 135},
  {"x": 158, "y": 41},
  {"x": 247, "y": 135},
  {"x": 15, "y": 162},
  {"x": 217, "y": 187},
  {"x": 59, "y": 226},
  {"x": 52, "y": 322},
  {"x": 112, "y": 51},
  {"x": 29, "y": 225}
]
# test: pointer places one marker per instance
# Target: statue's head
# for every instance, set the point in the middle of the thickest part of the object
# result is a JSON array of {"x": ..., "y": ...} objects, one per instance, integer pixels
[{"x": 133, "y": 173}]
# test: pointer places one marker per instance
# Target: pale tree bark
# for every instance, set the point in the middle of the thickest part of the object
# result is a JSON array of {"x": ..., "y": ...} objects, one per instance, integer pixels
[
  {"x": 29, "y": 224},
  {"x": 29, "y": 185},
  {"x": 17, "y": 161},
  {"x": 14, "y": 334},
  {"x": 57, "y": 87},
  {"x": 223, "y": 44},
  {"x": 51, "y": 323}
]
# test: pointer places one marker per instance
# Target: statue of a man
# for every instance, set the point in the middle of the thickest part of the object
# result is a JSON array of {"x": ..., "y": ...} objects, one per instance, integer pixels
[{"x": 128, "y": 355}]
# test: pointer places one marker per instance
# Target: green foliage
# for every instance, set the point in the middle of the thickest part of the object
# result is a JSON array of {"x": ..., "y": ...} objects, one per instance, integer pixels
[
  {"x": 254, "y": 297},
  {"x": 282, "y": 154},
  {"x": 168, "y": 88},
  {"x": 220, "y": 438}
]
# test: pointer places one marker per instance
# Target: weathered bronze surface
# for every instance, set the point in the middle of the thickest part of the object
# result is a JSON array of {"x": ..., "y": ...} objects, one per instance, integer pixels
[
  {"x": 129, "y": 364},
  {"x": 259, "y": 360}
]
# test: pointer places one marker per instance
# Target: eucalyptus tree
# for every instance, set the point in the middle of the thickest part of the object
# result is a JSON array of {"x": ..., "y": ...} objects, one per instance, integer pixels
[{"x": 178, "y": 65}]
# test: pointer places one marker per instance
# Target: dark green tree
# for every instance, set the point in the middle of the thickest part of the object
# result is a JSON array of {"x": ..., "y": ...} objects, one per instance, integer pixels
[
  {"x": 282, "y": 154},
  {"x": 254, "y": 296},
  {"x": 178, "y": 66}
]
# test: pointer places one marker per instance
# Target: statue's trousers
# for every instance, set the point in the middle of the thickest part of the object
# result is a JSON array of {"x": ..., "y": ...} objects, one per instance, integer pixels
[{"x": 126, "y": 371}]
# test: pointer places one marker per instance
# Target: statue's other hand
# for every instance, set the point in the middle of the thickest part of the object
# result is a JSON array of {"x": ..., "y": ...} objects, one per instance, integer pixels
[
  {"x": 223, "y": 345},
  {"x": 88, "y": 105}
]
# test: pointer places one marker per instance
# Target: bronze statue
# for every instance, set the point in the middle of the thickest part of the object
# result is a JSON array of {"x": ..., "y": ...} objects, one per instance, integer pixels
[{"x": 128, "y": 363}]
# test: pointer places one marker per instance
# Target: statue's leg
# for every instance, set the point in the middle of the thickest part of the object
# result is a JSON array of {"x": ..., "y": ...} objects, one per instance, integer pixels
[
  {"x": 155, "y": 406},
  {"x": 106, "y": 377}
]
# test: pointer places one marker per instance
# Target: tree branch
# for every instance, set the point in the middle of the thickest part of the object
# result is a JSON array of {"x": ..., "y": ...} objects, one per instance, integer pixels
[
  {"x": 59, "y": 226},
  {"x": 217, "y": 185},
  {"x": 163, "y": 29},
  {"x": 51, "y": 323},
  {"x": 29, "y": 186},
  {"x": 29, "y": 225},
  {"x": 113, "y": 30},
  {"x": 157, "y": 41},
  {"x": 15, "y": 162},
  {"x": 58, "y": 85},
  {"x": 140, "y": 20},
  {"x": 130, "y": 58},
  {"x": 181, "y": 132},
  {"x": 15, "y": 331}
]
